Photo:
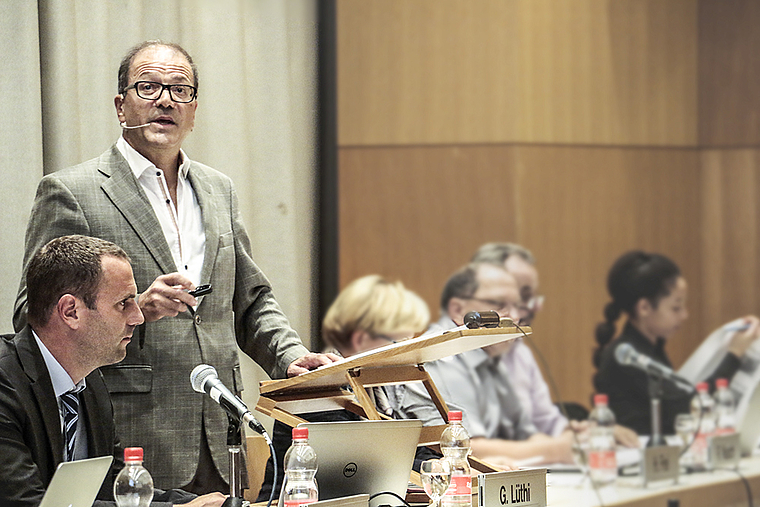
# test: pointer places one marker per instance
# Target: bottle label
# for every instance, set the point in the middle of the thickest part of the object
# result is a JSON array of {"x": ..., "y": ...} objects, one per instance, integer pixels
[
  {"x": 300, "y": 501},
  {"x": 602, "y": 460},
  {"x": 699, "y": 449},
  {"x": 460, "y": 485}
]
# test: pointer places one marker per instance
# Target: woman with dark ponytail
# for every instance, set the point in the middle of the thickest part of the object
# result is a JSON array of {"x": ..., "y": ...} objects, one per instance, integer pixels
[{"x": 650, "y": 291}]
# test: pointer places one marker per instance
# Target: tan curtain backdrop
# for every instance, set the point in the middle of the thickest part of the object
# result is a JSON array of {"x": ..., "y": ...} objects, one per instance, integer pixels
[{"x": 255, "y": 122}]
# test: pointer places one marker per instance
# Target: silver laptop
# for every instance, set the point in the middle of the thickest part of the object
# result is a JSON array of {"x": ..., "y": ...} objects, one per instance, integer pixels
[
  {"x": 364, "y": 457},
  {"x": 76, "y": 483}
]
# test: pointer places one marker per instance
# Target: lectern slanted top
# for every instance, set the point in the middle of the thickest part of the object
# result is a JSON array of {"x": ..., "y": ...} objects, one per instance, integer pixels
[{"x": 395, "y": 363}]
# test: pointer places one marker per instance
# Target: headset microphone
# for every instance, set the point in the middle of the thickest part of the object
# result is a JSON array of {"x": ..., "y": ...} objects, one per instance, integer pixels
[{"x": 127, "y": 127}]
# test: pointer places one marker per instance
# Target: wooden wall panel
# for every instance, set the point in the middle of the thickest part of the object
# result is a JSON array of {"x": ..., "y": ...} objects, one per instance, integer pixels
[
  {"x": 730, "y": 234},
  {"x": 729, "y": 71},
  {"x": 587, "y": 71},
  {"x": 417, "y": 72},
  {"x": 418, "y": 214},
  {"x": 573, "y": 127},
  {"x": 608, "y": 72}
]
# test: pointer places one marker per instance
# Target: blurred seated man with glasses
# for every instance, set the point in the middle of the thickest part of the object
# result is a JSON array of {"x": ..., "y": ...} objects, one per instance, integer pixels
[
  {"x": 524, "y": 373},
  {"x": 178, "y": 220},
  {"x": 478, "y": 381}
]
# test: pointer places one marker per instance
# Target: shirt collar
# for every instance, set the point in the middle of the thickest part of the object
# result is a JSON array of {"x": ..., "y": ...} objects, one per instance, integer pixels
[
  {"x": 139, "y": 164},
  {"x": 472, "y": 358},
  {"x": 59, "y": 377},
  {"x": 475, "y": 358},
  {"x": 644, "y": 345}
]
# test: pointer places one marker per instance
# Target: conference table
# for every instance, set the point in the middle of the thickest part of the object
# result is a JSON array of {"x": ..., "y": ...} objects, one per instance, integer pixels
[{"x": 717, "y": 488}]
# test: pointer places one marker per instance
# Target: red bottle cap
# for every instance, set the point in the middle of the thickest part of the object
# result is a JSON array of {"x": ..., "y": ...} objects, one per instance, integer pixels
[
  {"x": 600, "y": 399},
  {"x": 300, "y": 433},
  {"x": 721, "y": 382},
  {"x": 133, "y": 454},
  {"x": 702, "y": 387},
  {"x": 455, "y": 415}
]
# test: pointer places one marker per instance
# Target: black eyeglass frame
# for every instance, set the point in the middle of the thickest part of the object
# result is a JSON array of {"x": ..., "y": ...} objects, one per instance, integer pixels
[{"x": 167, "y": 87}]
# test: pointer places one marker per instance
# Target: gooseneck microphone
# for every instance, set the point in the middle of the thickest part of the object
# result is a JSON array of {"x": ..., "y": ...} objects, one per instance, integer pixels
[
  {"x": 475, "y": 320},
  {"x": 626, "y": 355},
  {"x": 127, "y": 127},
  {"x": 205, "y": 380}
]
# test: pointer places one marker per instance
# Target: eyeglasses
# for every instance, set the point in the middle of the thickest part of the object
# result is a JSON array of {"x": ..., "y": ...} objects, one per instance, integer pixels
[
  {"x": 384, "y": 337},
  {"x": 150, "y": 90},
  {"x": 500, "y": 307},
  {"x": 387, "y": 338},
  {"x": 533, "y": 304}
]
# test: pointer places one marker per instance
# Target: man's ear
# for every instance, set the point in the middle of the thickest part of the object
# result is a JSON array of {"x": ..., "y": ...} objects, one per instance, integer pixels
[
  {"x": 118, "y": 102},
  {"x": 68, "y": 310},
  {"x": 455, "y": 310}
]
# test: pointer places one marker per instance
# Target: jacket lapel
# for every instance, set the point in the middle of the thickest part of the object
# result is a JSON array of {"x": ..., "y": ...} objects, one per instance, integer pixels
[
  {"x": 34, "y": 367},
  {"x": 210, "y": 227},
  {"x": 130, "y": 199}
]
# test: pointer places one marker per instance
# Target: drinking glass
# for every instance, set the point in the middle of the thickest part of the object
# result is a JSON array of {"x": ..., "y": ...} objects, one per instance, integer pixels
[
  {"x": 436, "y": 476},
  {"x": 685, "y": 426}
]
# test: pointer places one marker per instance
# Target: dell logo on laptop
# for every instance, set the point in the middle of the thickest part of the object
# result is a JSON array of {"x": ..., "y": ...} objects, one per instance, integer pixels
[{"x": 349, "y": 470}]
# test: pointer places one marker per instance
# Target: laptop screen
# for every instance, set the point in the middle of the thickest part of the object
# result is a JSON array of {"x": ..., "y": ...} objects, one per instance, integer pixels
[
  {"x": 364, "y": 457},
  {"x": 76, "y": 483}
]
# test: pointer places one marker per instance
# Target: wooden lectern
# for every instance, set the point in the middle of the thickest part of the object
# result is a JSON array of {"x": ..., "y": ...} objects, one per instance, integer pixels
[{"x": 396, "y": 363}]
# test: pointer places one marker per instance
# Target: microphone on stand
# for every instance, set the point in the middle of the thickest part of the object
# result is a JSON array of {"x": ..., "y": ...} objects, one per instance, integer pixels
[
  {"x": 204, "y": 379},
  {"x": 626, "y": 355},
  {"x": 127, "y": 127}
]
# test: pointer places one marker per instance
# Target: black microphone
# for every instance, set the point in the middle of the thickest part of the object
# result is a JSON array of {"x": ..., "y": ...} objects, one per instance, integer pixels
[
  {"x": 628, "y": 356},
  {"x": 475, "y": 320},
  {"x": 205, "y": 380},
  {"x": 127, "y": 127}
]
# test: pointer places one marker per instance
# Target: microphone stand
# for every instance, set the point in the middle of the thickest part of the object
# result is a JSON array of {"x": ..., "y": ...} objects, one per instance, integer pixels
[
  {"x": 234, "y": 445},
  {"x": 655, "y": 395}
]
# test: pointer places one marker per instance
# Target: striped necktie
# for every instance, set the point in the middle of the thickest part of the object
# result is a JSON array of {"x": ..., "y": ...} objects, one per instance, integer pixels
[{"x": 70, "y": 402}]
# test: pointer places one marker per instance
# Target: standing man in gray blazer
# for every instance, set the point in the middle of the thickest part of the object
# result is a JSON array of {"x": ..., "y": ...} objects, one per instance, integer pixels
[{"x": 178, "y": 221}]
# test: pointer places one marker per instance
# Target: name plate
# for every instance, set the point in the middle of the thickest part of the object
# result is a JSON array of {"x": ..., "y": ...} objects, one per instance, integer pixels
[
  {"x": 518, "y": 488},
  {"x": 660, "y": 463},
  {"x": 724, "y": 451}
]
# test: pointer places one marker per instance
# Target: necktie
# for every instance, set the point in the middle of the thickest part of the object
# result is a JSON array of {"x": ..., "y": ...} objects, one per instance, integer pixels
[
  {"x": 70, "y": 402},
  {"x": 381, "y": 401}
]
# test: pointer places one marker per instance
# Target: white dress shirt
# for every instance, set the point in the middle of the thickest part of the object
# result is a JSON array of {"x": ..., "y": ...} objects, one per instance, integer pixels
[
  {"x": 62, "y": 383},
  {"x": 181, "y": 222}
]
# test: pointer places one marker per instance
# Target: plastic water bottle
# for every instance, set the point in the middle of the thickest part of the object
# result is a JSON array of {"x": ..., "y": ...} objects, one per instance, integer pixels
[
  {"x": 300, "y": 470},
  {"x": 602, "y": 462},
  {"x": 455, "y": 446},
  {"x": 706, "y": 409},
  {"x": 133, "y": 486},
  {"x": 725, "y": 412}
]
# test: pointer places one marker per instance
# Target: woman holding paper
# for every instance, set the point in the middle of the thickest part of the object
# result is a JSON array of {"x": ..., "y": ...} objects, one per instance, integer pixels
[{"x": 650, "y": 290}]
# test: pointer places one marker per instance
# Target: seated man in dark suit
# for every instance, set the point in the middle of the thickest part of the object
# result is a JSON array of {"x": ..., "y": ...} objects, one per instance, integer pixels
[{"x": 54, "y": 405}]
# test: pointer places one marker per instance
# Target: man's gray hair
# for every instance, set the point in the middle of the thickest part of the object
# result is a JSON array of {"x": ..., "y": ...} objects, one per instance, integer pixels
[
  {"x": 498, "y": 253},
  {"x": 462, "y": 284}
]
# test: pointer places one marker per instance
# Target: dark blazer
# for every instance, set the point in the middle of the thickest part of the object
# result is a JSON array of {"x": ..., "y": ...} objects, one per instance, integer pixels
[
  {"x": 31, "y": 443},
  {"x": 154, "y": 404}
]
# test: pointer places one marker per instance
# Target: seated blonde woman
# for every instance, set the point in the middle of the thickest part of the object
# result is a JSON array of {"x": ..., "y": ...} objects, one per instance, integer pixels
[{"x": 369, "y": 313}]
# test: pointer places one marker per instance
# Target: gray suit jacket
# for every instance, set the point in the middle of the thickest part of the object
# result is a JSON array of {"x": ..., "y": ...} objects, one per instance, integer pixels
[{"x": 155, "y": 406}]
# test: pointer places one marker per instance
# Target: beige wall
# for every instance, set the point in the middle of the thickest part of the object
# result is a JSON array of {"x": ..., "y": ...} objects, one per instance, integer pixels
[{"x": 579, "y": 129}]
